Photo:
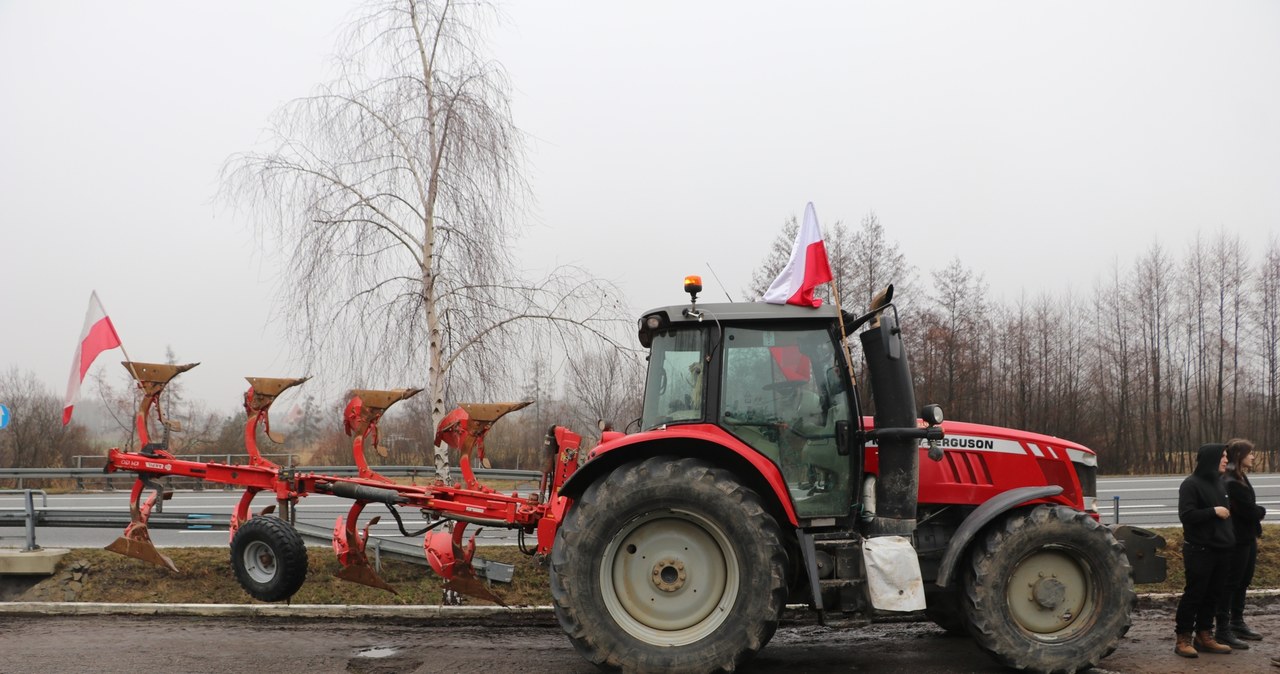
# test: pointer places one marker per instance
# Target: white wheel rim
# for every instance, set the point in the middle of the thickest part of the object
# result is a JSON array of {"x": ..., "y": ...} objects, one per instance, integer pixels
[
  {"x": 669, "y": 578},
  {"x": 1051, "y": 595},
  {"x": 260, "y": 562}
]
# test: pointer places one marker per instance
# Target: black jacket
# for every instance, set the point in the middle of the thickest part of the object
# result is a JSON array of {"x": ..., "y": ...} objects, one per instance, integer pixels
[
  {"x": 1246, "y": 514},
  {"x": 1199, "y": 494}
]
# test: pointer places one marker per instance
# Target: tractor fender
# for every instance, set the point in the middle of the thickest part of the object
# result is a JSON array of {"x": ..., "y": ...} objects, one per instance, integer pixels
[
  {"x": 983, "y": 515},
  {"x": 721, "y": 449}
]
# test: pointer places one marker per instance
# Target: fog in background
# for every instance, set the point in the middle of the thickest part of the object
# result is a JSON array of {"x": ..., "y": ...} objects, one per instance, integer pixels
[{"x": 1040, "y": 143}]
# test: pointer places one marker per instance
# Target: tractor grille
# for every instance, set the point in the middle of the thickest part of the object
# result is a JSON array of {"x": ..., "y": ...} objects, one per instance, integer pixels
[
  {"x": 966, "y": 468},
  {"x": 1088, "y": 476}
]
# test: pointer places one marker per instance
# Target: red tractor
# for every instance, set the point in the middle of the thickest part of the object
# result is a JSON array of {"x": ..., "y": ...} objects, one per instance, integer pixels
[{"x": 754, "y": 481}]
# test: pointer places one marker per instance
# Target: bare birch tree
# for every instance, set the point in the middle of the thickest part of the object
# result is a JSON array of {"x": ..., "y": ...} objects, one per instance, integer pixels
[{"x": 394, "y": 193}]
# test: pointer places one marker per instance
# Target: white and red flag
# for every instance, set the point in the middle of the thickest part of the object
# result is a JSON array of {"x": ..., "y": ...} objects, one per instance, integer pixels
[
  {"x": 97, "y": 336},
  {"x": 807, "y": 269}
]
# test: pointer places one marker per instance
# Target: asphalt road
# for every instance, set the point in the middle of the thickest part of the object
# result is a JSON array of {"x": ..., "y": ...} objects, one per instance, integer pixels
[
  {"x": 107, "y": 644},
  {"x": 1153, "y": 501}
]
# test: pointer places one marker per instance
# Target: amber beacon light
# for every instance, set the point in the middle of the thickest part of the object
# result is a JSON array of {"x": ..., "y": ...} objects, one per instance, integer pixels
[{"x": 693, "y": 285}]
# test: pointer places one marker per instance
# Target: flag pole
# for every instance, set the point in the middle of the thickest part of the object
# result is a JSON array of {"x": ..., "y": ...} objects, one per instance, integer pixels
[
  {"x": 128, "y": 362},
  {"x": 844, "y": 337}
]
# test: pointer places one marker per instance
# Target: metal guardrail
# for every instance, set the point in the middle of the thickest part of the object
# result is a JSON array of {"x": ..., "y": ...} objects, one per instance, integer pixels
[
  {"x": 425, "y": 472},
  {"x": 98, "y": 519},
  {"x": 44, "y": 498},
  {"x": 29, "y": 513}
]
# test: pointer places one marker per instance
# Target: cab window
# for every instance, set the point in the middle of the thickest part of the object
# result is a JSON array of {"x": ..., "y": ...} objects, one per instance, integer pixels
[
  {"x": 675, "y": 386},
  {"x": 779, "y": 395}
]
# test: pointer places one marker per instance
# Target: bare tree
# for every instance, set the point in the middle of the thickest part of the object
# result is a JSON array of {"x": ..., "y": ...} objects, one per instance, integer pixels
[
  {"x": 394, "y": 193},
  {"x": 1153, "y": 281},
  {"x": 607, "y": 386},
  {"x": 35, "y": 436},
  {"x": 876, "y": 262},
  {"x": 1232, "y": 275},
  {"x": 1267, "y": 315},
  {"x": 774, "y": 261},
  {"x": 957, "y": 325}
]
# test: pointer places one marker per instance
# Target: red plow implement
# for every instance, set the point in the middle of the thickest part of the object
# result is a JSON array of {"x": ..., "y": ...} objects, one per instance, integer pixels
[{"x": 268, "y": 554}]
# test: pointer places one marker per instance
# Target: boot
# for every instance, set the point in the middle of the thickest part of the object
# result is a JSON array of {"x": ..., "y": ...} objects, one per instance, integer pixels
[
  {"x": 1205, "y": 643},
  {"x": 1225, "y": 635},
  {"x": 1242, "y": 631},
  {"x": 1184, "y": 647}
]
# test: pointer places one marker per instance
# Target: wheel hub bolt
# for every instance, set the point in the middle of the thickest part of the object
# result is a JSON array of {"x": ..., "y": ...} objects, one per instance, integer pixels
[
  {"x": 1049, "y": 593},
  {"x": 669, "y": 574}
]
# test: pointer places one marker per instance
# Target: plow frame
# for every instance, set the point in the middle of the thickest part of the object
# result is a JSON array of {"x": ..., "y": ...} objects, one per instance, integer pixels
[{"x": 446, "y": 549}]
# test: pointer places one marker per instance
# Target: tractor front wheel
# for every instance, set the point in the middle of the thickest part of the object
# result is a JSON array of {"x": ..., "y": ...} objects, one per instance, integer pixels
[
  {"x": 1049, "y": 590},
  {"x": 269, "y": 558},
  {"x": 668, "y": 564}
]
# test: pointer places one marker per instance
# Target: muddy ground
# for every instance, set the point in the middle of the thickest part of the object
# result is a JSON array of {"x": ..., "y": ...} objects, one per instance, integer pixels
[{"x": 35, "y": 644}]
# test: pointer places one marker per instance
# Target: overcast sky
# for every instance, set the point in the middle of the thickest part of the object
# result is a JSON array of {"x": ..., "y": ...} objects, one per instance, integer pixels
[{"x": 1038, "y": 142}]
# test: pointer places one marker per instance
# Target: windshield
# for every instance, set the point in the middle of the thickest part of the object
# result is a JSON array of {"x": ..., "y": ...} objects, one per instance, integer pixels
[{"x": 674, "y": 389}]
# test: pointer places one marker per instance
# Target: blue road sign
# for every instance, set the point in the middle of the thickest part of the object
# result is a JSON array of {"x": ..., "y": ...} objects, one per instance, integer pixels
[{"x": 4, "y": 416}]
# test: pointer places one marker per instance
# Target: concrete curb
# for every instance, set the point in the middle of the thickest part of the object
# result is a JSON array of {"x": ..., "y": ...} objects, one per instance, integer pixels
[{"x": 269, "y": 610}]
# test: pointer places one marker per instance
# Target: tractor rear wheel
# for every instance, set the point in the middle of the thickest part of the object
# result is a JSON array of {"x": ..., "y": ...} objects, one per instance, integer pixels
[
  {"x": 668, "y": 564},
  {"x": 1049, "y": 590},
  {"x": 269, "y": 558}
]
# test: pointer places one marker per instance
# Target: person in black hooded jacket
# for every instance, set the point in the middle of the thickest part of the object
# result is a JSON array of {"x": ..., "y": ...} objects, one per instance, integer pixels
[{"x": 1208, "y": 539}]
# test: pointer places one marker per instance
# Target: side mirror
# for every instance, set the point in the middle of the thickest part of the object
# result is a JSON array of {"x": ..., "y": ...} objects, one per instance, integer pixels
[{"x": 932, "y": 415}]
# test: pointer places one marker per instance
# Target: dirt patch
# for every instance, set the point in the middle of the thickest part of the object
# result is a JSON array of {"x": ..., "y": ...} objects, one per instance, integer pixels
[{"x": 205, "y": 577}]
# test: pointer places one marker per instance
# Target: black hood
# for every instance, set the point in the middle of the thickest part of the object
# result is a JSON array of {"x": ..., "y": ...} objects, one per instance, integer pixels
[{"x": 1208, "y": 458}]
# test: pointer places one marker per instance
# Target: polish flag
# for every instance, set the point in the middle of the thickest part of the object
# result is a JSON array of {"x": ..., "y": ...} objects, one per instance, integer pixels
[
  {"x": 97, "y": 336},
  {"x": 807, "y": 269}
]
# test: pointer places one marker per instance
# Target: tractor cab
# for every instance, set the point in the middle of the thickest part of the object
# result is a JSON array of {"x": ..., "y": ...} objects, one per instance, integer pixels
[
  {"x": 774, "y": 377},
  {"x": 778, "y": 380}
]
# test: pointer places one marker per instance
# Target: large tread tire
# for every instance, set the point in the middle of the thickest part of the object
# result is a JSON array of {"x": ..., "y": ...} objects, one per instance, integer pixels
[
  {"x": 668, "y": 565},
  {"x": 269, "y": 558},
  {"x": 1049, "y": 590}
]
